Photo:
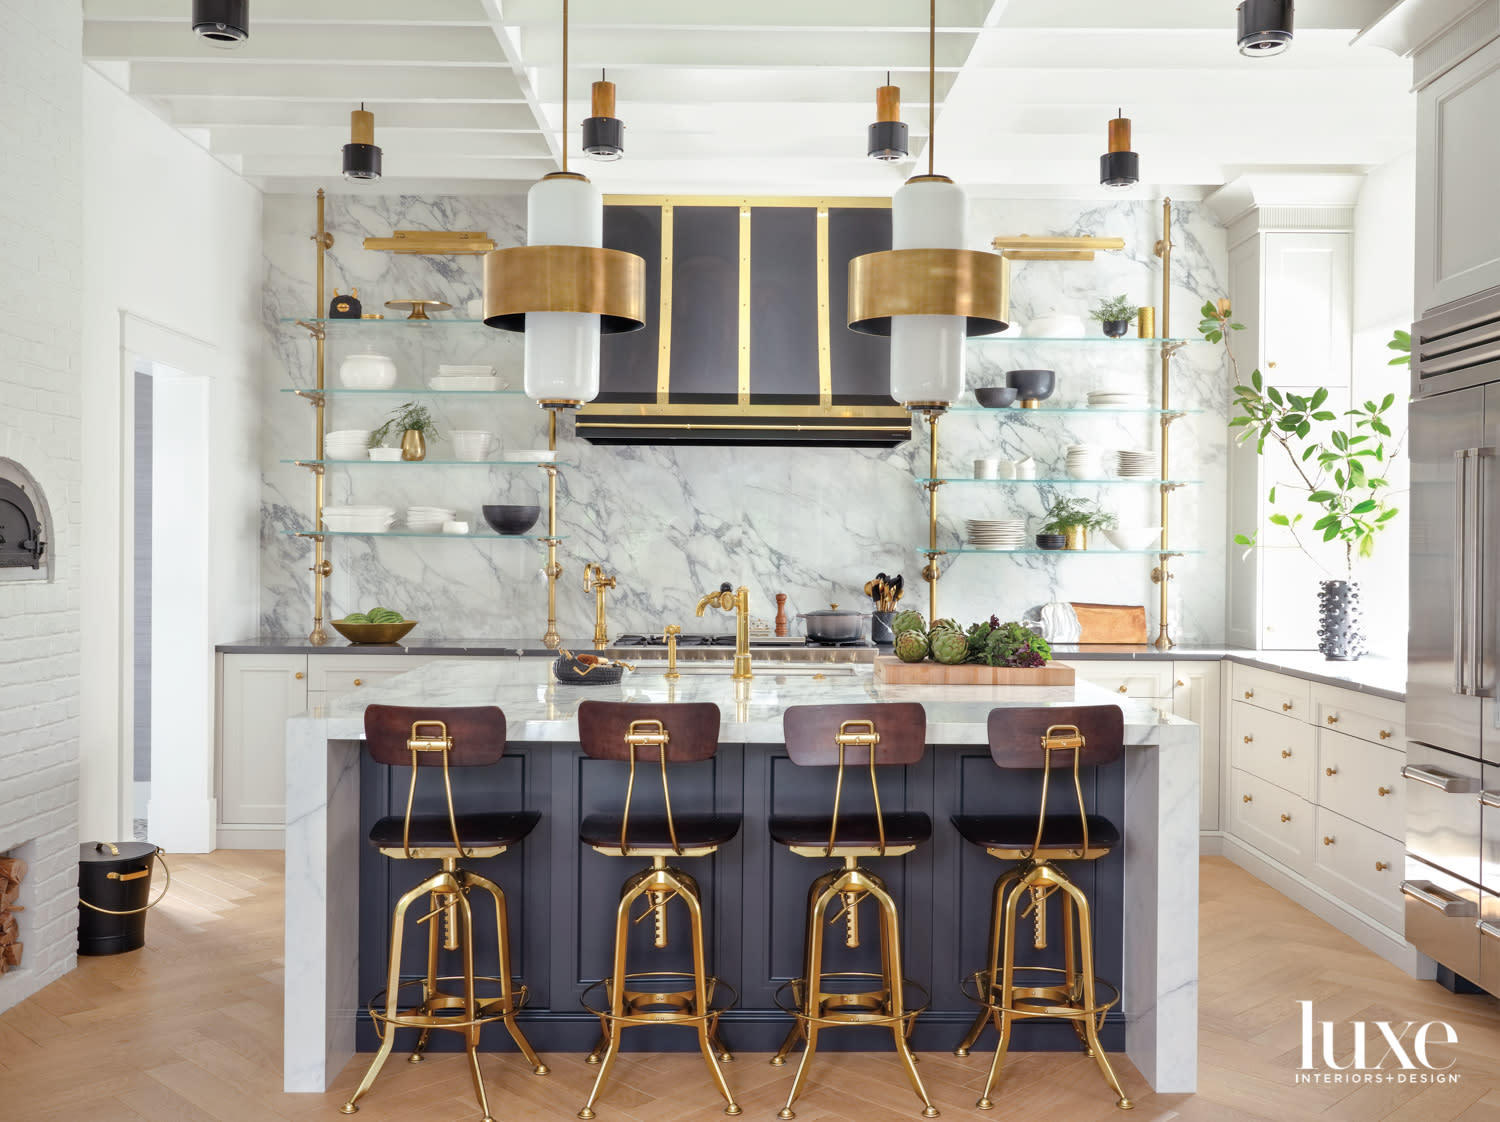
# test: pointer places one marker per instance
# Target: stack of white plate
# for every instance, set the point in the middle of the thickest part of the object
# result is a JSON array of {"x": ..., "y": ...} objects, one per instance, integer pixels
[
  {"x": 997, "y": 533},
  {"x": 346, "y": 444},
  {"x": 1116, "y": 399},
  {"x": 1083, "y": 462},
  {"x": 456, "y": 376},
  {"x": 359, "y": 519},
  {"x": 428, "y": 519},
  {"x": 1134, "y": 463}
]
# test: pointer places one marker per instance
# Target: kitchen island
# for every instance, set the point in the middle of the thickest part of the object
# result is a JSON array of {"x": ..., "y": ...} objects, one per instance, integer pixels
[{"x": 338, "y": 890}]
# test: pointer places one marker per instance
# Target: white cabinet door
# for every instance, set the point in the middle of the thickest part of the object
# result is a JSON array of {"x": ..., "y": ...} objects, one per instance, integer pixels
[
  {"x": 1195, "y": 696},
  {"x": 1137, "y": 678},
  {"x": 1458, "y": 166},
  {"x": 258, "y": 693}
]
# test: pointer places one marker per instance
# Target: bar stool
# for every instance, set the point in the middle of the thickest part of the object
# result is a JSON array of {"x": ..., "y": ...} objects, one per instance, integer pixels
[
  {"x": 867, "y": 735},
  {"x": 446, "y": 738},
  {"x": 660, "y": 734},
  {"x": 1066, "y": 738}
]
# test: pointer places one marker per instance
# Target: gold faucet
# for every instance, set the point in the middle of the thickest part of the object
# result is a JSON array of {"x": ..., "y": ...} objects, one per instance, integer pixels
[
  {"x": 738, "y": 602},
  {"x": 596, "y": 582},
  {"x": 672, "y": 631}
]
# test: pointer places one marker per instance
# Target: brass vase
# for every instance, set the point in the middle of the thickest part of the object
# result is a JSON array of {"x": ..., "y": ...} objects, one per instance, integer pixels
[
  {"x": 1075, "y": 537},
  {"x": 413, "y": 445}
]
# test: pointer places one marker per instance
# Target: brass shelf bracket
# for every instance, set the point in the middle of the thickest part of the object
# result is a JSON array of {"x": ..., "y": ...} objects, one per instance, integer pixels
[
  {"x": 316, "y": 330},
  {"x": 553, "y": 570},
  {"x": 1162, "y": 574},
  {"x": 321, "y": 566}
]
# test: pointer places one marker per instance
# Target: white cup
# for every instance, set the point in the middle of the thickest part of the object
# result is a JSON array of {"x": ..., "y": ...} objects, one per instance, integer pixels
[
  {"x": 455, "y": 527},
  {"x": 1026, "y": 469},
  {"x": 986, "y": 469},
  {"x": 1007, "y": 469}
]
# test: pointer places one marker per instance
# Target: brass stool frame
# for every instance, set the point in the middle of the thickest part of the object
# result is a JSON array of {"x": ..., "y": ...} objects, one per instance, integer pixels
[
  {"x": 818, "y": 1008},
  {"x": 658, "y": 885},
  {"x": 449, "y": 890},
  {"x": 1002, "y": 1000}
]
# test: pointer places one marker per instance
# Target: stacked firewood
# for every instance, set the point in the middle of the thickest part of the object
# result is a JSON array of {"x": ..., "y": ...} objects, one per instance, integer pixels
[{"x": 12, "y": 870}]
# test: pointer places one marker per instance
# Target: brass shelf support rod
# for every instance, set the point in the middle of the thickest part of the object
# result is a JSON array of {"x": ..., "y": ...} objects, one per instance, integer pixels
[
  {"x": 321, "y": 566},
  {"x": 552, "y": 640},
  {"x": 931, "y": 573},
  {"x": 1162, "y": 574}
]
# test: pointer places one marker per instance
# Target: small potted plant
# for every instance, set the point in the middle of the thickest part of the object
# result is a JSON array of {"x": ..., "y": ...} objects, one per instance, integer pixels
[
  {"x": 1116, "y": 315},
  {"x": 416, "y": 426},
  {"x": 1073, "y": 519}
]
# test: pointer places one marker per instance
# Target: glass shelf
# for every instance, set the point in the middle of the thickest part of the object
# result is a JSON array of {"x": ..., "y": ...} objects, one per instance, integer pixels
[
  {"x": 1075, "y": 552},
  {"x": 1150, "y": 479},
  {"x": 1128, "y": 341},
  {"x": 1074, "y": 410},
  {"x": 485, "y": 537},
  {"x": 431, "y": 463},
  {"x": 367, "y": 324},
  {"x": 408, "y": 393}
]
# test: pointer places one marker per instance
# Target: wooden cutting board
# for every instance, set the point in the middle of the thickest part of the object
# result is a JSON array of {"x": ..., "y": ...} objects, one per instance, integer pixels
[
  {"x": 1111, "y": 623},
  {"x": 892, "y": 671}
]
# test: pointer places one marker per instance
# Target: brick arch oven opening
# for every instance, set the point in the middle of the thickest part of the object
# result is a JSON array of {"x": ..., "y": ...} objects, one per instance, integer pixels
[{"x": 26, "y": 529}]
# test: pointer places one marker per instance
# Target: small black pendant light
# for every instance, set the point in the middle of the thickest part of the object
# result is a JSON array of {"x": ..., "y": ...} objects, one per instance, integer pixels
[
  {"x": 1119, "y": 167},
  {"x": 1265, "y": 27},
  {"x": 361, "y": 157},
  {"x": 224, "y": 23},
  {"x": 603, "y": 132},
  {"x": 887, "y": 135}
]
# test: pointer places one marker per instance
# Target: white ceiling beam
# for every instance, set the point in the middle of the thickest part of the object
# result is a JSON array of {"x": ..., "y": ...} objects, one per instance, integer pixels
[
  {"x": 257, "y": 141},
  {"x": 1129, "y": 87},
  {"x": 344, "y": 84},
  {"x": 626, "y": 49},
  {"x": 266, "y": 12},
  {"x": 694, "y": 86},
  {"x": 313, "y": 43},
  {"x": 399, "y": 165},
  {"x": 1168, "y": 15},
  {"x": 1188, "y": 50},
  {"x": 214, "y": 112},
  {"x": 853, "y": 16}
]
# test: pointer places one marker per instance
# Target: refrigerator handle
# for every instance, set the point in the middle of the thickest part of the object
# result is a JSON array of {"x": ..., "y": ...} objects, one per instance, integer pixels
[
  {"x": 1477, "y": 577},
  {"x": 1460, "y": 560}
]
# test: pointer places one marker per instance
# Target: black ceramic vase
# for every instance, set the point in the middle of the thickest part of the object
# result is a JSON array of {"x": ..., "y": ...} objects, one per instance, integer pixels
[
  {"x": 1116, "y": 328},
  {"x": 1341, "y": 637}
]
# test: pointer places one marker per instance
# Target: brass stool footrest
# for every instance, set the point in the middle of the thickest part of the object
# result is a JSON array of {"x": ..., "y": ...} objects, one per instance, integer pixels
[
  {"x": 427, "y": 1014},
  {"x": 643, "y": 1005},
  {"x": 868, "y": 1007},
  {"x": 1059, "y": 1001}
]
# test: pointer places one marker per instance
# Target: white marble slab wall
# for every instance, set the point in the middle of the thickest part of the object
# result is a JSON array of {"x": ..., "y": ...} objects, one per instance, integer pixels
[{"x": 672, "y": 523}]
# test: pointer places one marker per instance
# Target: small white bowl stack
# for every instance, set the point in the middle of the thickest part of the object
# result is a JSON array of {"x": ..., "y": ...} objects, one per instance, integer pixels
[
  {"x": 997, "y": 533},
  {"x": 464, "y": 378},
  {"x": 472, "y": 445},
  {"x": 358, "y": 519},
  {"x": 1116, "y": 399},
  {"x": 1083, "y": 461},
  {"x": 1135, "y": 463},
  {"x": 428, "y": 519},
  {"x": 346, "y": 444},
  {"x": 1133, "y": 537}
]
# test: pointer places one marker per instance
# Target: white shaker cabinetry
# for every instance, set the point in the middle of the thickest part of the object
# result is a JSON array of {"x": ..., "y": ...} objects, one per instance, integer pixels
[{"x": 257, "y": 693}]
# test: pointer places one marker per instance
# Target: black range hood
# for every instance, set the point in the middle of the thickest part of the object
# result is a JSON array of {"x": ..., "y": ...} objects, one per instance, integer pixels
[{"x": 746, "y": 341}]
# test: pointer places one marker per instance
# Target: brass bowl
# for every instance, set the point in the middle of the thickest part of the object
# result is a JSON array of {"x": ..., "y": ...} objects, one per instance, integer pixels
[{"x": 383, "y": 633}]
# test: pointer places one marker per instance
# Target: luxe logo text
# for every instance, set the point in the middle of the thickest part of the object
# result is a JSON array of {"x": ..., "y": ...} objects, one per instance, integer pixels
[{"x": 1374, "y": 1051}]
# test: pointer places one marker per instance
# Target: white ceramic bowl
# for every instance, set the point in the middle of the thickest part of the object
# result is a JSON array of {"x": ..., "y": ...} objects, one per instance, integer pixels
[
  {"x": 1055, "y": 325},
  {"x": 385, "y": 455},
  {"x": 368, "y": 372},
  {"x": 472, "y": 445},
  {"x": 1133, "y": 537}
]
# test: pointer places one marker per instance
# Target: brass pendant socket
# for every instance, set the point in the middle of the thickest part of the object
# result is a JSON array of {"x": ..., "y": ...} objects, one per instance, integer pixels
[
  {"x": 1119, "y": 134},
  {"x": 888, "y": 103},
  {"x": 361, "y": 127},
  {"x": 603, "y": 99}
]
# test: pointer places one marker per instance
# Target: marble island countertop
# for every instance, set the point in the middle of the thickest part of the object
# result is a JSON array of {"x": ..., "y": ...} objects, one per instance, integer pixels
[{"x": 537, "y": 708}]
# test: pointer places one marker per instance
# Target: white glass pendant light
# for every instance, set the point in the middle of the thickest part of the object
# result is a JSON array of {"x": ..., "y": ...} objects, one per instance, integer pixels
[
  {"x": 562, "y": 348},
  {"x": 927, "y": 351}
]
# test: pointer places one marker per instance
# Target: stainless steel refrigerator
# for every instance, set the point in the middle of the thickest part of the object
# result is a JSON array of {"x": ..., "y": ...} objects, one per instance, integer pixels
[{"x": 1451, "y": 882}]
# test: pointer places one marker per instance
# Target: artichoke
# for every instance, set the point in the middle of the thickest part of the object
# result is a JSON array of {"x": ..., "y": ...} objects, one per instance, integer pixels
[
  {"x": 946, "y": 625},
  {"x": 911, "y": 646},
  {"x": 949, "y": 645},
  {"x": 909, "y": 620}
]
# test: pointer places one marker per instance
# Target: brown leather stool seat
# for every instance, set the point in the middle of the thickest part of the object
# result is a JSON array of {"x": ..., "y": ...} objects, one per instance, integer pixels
[
  {"x": 857, "y": 831},
  {"x": 475, "y": 831},
  {"x": 653, "y": 832}
]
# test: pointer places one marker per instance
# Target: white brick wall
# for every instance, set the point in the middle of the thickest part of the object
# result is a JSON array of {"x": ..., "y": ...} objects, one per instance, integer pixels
[{"x": 40, "y": 285}]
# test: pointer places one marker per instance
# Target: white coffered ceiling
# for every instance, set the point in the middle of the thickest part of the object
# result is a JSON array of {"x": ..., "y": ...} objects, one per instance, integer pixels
[{"x": 768, "y": 95}]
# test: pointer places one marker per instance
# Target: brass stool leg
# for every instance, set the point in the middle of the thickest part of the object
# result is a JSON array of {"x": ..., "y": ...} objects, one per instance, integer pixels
[
  {"x": 616, "y": 988},
  {"x": 890, "y": 947},
  {"x": 429, "y": 987},
  {"x": 687, "y": 888},
  {"x": 725, "y": 1055},
  {"x": 1013, "y": 898},
  {"x": 598, "y": 1050},
  {"x": 814, "y": 891},
  {"x": 1090, "y": 1023},
  {"x": 392, "y": 987},
  {"x": 823, "y": 892},
  {"x": 997, "y": 906},
  {"x": 471, "y": 999},
  {"x": 1070, "y": 970},
  {"x": 507, "y": 991}
]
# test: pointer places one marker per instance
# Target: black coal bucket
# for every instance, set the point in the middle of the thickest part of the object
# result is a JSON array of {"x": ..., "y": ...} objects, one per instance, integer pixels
[{"x": 114, "y": 895}]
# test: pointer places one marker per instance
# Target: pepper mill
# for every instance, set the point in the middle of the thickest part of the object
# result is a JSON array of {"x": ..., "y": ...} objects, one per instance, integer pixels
[{"x": 781, "y": 621}]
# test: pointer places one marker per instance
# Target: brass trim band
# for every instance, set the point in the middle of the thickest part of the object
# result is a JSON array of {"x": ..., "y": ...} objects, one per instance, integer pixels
[
  {"x": 743, "y": 354},
  {"x": 825, "y": 313},
  {"x": 933, "y": 282},
  {"x": 664, "y": 310},
  {"x": 594, "y": 410},
  {"x": 565, "y": 278}
]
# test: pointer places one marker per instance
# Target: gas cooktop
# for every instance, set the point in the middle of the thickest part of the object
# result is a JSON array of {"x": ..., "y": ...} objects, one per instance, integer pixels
[{"x": 727, "y": 640}]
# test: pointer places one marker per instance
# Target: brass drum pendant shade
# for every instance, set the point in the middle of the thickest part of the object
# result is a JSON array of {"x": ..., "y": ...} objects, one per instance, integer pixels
[
  {"x": 926, "y": 282},
  {"x": 608, "y": 283}
]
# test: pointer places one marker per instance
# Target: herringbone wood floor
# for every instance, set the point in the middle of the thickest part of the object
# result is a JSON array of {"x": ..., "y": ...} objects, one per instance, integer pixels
[{"x": 190, "y": 1028}]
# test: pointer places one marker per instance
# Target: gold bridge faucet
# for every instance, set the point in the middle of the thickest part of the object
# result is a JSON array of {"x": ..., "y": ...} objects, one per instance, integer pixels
[
  {"x": 738, "y": 602},
  {"x": 596, "y": 582}
]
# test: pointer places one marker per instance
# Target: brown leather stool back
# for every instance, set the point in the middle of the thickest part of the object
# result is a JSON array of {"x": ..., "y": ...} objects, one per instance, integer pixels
[{"x": 477, "y": 733}]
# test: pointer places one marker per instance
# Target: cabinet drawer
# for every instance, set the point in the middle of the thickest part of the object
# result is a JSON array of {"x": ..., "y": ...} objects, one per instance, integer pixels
[
  {"x": 1274, "y": 821},
  {"x": 1442, "y": 912},
  {"x": 1376, "y": 719},
  {"x": 336, "y": 675},
  {"x": 1274, "y": 692},
  {"x": 1276, "y": 748},
  {"x": 1359, "y": 866},
  {"x": 1131, "y": 679},
  {"x": 1362, "y": 781}
]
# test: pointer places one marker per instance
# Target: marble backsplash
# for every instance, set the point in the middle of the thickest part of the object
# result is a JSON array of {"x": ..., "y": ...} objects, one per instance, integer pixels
[{"x": 673, "y": 522}]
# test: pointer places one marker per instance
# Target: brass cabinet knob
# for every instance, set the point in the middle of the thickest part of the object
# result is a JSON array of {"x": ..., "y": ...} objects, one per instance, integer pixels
[
  {"x": 1123, "y": 690},
  {"x": 1286, "y": 753},
  {"x": 1330, "y": 771},
  {"x": 1332, "y": 719},
  {"x": 1381, "y": 866},
  {"x": 1249, "y": 739},
  {"x": 1249, "y": 694},
  {"x": 358, "y": 682},
  {"x": 1286, "y": 817},
  {"x": 1383, "y": 791},
  {"x": 1385, "y": 734},
  {"x": 1327, "y": 840},
  {"x": 299, "y": 675},
  {"x": 1180, "y": 682},
  {"x": 1286, "y": 706},
  {"x": 1246, "y": 798}
]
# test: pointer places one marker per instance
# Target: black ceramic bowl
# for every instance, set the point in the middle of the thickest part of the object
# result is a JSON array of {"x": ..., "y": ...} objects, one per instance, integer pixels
[
  {"x": 511, "y": 520},
  {"x": 1032, "y": 385},
  {"x": 995, "y": 397},
  {"x": 1050, "y": 541}
]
